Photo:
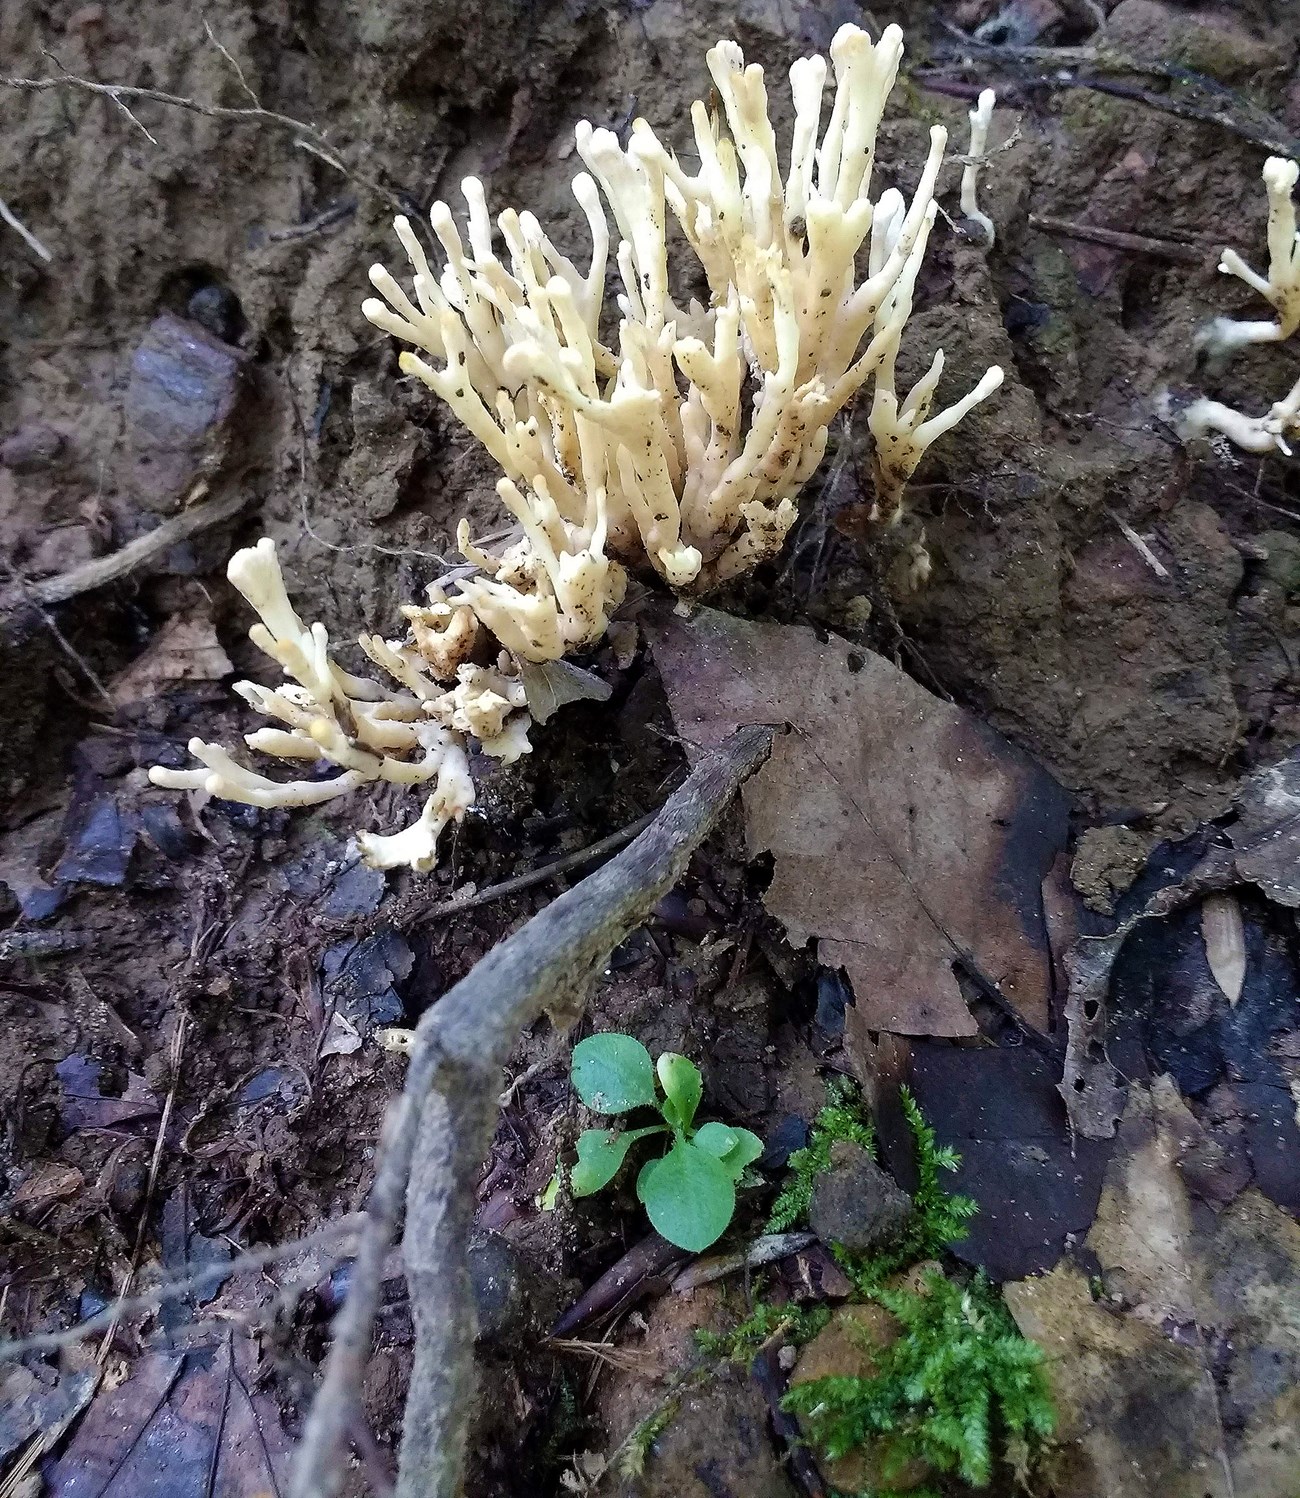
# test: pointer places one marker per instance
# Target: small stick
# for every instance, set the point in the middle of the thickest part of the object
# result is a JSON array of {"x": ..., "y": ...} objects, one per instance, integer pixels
[
  {"x": 104, "y": 570},
  {"x": 309, "y": 137},
  {"x": 449, "y": 1106},
  {"x": 1121, "y": 239},
  {"x": 178, "y": 1289},
  {"x": 405, "y": 914},
  {"x": 1139, "y": 545},
  {"x": 765, "y": 1250},
  {"x": 332, "y": 215},
  {"x": 26, "y": 234}
]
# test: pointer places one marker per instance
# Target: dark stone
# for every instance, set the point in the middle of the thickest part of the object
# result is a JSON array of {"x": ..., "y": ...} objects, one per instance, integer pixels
[
  {"x": 358, "y": 979},
  {"x": 100, "y": 842},
  {"x": 31, "y": 448},
  {"x": 855, "y": 1203},
  {"x": 789, "y": 1135},
  {"x": 716, "y": 1445},
  {"x": 184, "y": 386},
  {"x": 217, "y": 309},
  {"x": 495, "y": 1273},
  {"x": 356, "y": 891}
]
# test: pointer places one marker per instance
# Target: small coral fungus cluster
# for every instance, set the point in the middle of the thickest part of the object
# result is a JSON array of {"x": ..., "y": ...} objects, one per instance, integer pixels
[
  {"x": 1224, "y": 336},
  {"x": 678, "y": 447}
]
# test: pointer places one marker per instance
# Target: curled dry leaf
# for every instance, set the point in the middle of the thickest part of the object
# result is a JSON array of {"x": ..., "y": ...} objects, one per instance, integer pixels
[
  {"x": 182, "y": 650},
  {"x": 549, "y": 685},
  {"x": 1265, "y": 852},
  {"x": 907, "y": 836},
  {"x": 1225, "y": 943}
]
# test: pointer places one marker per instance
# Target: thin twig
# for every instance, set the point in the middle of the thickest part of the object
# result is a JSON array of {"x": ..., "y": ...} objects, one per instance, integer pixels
[
  {"x": 1121, "y": 239},
  {"x": 1139, "y": 545},
  {"x": 178, "y": 1289},
  {"x": 116, "y": 92},
  {"x": 177, "y": 1051},
  {"x": 234, "y": 65},
  {"x": 104, "y": 570},
  {"x": 309, "y": 137},
  {"x": 1268, "y": 133},
  {"x": 627, "y": 1359},
  {"x": 24, "y": 232},
  {"x": 409, "y": 911},
  {"x": 334, "y": 214},
  {"x": 448, "y": 1106}
]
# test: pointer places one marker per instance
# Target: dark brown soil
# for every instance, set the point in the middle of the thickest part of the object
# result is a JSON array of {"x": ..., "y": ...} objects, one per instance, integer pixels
[{"x": 168, "y": 962}]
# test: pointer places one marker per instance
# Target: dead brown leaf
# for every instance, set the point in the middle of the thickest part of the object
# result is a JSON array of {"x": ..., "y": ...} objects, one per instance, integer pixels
[
  {"x": 907, "y": 836},
  {"x": 51, "y": 1182},
  {"x": 184, "y": 649},
  {"x": 1225, "y": 943},
  {"x": 1181, "y": 1379},
  {"x": 179, "y": 1426}
]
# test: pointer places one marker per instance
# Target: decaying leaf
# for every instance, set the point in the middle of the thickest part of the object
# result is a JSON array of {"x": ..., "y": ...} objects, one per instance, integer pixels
[
  {"x": 1091, "y": 1085},
  {"x": 549, "y": 685},
  {"x": 179, "y": 1426},
  {"x": 1182, "y": 1379},
  {"x": 1266, "y": 834},
  {"x": 1265, "y": 852},
  {"x": 1225, "y": 943},
  {"x": 907, "y": 836},
  {"x": 184, "y": 649},
  {"x": 998, "y": 1107}
]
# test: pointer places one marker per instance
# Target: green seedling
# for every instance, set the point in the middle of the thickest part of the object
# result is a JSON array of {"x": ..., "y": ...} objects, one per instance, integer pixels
[{"x": 689, "y": 1193}]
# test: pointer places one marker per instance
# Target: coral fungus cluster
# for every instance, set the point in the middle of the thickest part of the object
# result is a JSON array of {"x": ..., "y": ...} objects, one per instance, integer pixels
[
  {"x": 678, "y": 446},
  {"x": 1222, "y": 337}
]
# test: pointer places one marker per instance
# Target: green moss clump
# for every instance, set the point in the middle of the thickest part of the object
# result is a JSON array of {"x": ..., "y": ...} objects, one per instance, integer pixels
[
  {"x": 938, "y": 1218},
  {"x": 632, "y": 1455},
  {"x": 959, "y": 1385},
  {"x": 841, "y": 1118},
  {"x": 796, "y": 1324}
]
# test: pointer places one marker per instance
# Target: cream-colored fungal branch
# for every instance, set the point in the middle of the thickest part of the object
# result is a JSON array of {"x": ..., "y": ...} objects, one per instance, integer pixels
[
  {"x": 682, "y": 443},
  {"x": 1255, "y": 434},
  {"x": 980, "y": 119},
  {"x": 1223, "y": 336},
  {"x": 361, "y": 729}
]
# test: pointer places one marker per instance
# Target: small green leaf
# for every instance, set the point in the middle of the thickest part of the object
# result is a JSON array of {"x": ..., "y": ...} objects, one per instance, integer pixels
[
  {"x": 747, "y": 1149},
  {"x": 717, "y": 1138},
  {"x": 683, "y": 1087},
  {"x": 613, "y": 1073},
  {"x": 688, "y": 1196},
  {"x": 601, "y": 1153},
  {"x": 549, "y": 1198},
  {"x": 733, "y": 1148}
]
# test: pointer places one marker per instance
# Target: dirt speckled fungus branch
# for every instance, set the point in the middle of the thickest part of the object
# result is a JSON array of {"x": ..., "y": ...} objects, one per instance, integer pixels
[
  {"x": 981, "y": 117},
  {"x": 1254, "y": 434},
  {"x": 680, "y": 446},
  {"x": 1223, "y": 336},
  {"x": 365, "y": 730}
]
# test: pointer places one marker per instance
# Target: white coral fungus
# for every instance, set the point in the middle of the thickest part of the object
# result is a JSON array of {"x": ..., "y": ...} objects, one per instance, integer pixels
[
  {"x": 1223, "y": 336},
  {"x": 1255, "y": 434},
  {"x": 1281, "y": 287},
  {"x": 981, "y": 117},
  {"x": 682, "y": 444},
  {"x": 366, "y": 730},
  {"x": 686, "y": 442}
]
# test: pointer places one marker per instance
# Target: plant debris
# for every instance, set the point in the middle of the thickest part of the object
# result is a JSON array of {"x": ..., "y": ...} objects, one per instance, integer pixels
[{"x": 906, "y": 836}]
